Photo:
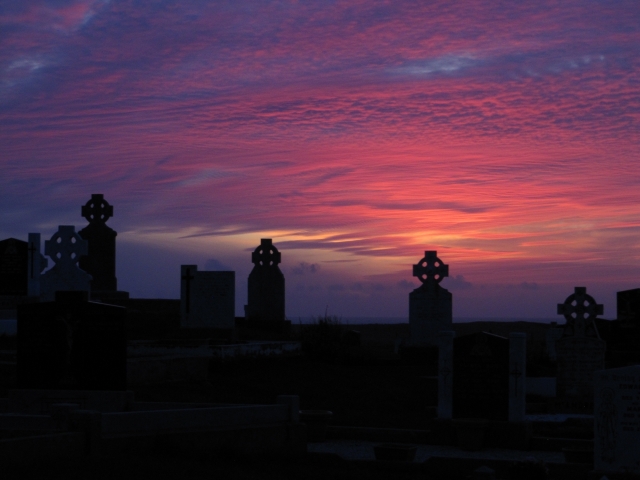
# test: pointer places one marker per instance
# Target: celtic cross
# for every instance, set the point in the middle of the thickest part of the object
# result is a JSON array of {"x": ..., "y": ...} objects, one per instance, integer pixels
[
  {"x": 580, "y": 310},
  {"x": 65, "y": 246},
  {"x": 97, "y": 210},
  {"x": 430, "y": 269},
  {"x": 266, "y": 254}
]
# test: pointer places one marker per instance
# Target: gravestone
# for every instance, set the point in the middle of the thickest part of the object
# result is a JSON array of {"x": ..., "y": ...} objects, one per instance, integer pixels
[
  {"x": 551, "y": 336},
  {"x": 579, "y": 352},
  {"x": 65, "y": 249},
  {"x": 617, "y": 420},
  {"x": 430, "y": 305},
  {"x": 207, "y": 299},
  {"x": 100, "y": 260},
  {"x": 481, "y": 377},
  {"x": 71, "y": 343},
  {"x": 13, "y": 267},
  {"x": 265, "y": 285},
  {"x": 628, "y": 305},
  {"x": 517, "y": 376}
]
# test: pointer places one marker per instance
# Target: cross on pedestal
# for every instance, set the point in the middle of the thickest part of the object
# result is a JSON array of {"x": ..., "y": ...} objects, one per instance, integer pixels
[
  {"x": 97, "y": 210},
  {"x": 187, "y": 277},
  {"x": 580, "y": 310},
  {"x": 266, "y": 254},
  {"x": 430, "y": 269}
]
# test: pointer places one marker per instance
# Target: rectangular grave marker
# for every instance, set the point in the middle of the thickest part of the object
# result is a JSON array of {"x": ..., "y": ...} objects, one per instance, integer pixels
[
  {"x": 207, "y": 299},
  {"x": 617, "y": 420},
  {"x": 481, "y": 377}
]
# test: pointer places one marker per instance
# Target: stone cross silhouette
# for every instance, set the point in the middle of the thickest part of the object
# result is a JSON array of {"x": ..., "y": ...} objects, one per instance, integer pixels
[
  {"x": 97, "y": 210},
  {"x": 430, "y": 269},
  {"x": 266, "y": 254},
  {"x": 580, "y": 309},
  {"x": 187, "y": 277},
  {"x": 65, "y": 246}
]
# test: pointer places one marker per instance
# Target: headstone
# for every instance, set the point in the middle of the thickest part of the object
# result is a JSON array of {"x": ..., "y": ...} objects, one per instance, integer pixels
[
  {"x": 517, "y": 376},
  {"x": 36, "y": 263},
  {"x": 445, "y": 373},
  {"x": 65, "y": 249},
  {"x": 617, "y": 420},
  {"x": 629, "y": 306},
  {"x": 579, "y": 352},
  {"x": 13, "y": 267},
  {"x": 430, "y": 305},
  {"x": 481, "y": 377},
  {"x": 100, "y": 260},
  {"x": 71, "y": 343},
  {"x": 207, "y": 299},
  {"x": 265, "y": 285}
]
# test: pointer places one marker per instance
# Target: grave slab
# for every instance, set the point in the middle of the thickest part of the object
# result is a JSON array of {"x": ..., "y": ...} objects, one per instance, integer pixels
[
  {"x": 617, "y": 420},
  {"x": 207, "y": 299},
  {"x": 481, "y": 377}
]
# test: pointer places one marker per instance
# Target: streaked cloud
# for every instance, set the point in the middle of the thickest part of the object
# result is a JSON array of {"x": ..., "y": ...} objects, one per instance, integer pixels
[{"x": 505, "y": 136}]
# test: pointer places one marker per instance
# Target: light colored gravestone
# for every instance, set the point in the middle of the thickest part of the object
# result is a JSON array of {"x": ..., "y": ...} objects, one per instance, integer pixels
[
  {"x": 445, "y": 373},
  {"x": 430, "y": 305},
  {"x": 580, "y": 351},
  {"x": 207, "y": 299},
  {"x": 517, "y": 376},
  {"x": 617, "y": 420},
  {"x": 65, "y": 249},
  {"x": 265, "y": 300}
]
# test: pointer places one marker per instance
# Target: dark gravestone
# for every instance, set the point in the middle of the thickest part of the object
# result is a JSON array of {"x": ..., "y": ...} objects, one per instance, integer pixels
[
  {"x": 266, "y": 285},
  {"x": 579, "y": 352},
  {"x": 100, "y": 261},
  {"x": 481, "y": 377},
  {"x": 13, "y": 267},
  {"x": 629, "y": 306},
  {"x": 430, "y": 305},
  {"x": 71, "y": 344}
]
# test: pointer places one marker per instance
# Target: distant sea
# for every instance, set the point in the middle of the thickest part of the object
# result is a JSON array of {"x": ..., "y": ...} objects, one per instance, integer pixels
[{"x": 387, "y": 320}]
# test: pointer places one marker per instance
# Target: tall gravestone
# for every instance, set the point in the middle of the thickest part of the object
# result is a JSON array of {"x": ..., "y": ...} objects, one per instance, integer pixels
[
  {"x": 481, "y": 375},
  {"x": 207, "y": 299},
  {"x": 71, "y": 343},
  {"x": 13, "y": 267},
  {"x": 100, "y": 260},
  {"x": 629, "y": 306},
  {"x": 265, "y": 285},
  {"x": 579, "y": 352},
  {"x": 65, "y": 249},
  {"x": 430, "y": 305},
  {"x": 617, "y": 421}
]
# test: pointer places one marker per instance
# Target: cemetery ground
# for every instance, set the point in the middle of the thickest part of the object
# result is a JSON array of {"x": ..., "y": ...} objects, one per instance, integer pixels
[{"x": 365, "y": 386}]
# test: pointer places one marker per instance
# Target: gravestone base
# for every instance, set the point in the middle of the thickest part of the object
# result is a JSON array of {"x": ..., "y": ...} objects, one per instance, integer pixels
[{"x": 430, "y": 312}]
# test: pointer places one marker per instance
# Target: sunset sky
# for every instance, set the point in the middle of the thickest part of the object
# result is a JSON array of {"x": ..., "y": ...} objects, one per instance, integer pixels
[{"x": 356, "y": 134}]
